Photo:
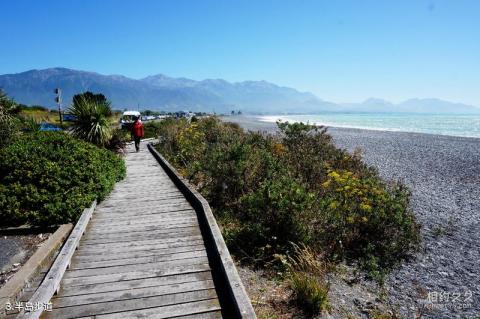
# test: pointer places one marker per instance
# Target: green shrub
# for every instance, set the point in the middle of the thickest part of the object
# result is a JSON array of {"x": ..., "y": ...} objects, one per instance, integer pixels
[
  {"x": 151, "y": 129},
  {"x": 366, "y": 219},
  {"x": 50, "y": 177},
  {"x": 297, "y": 187}
]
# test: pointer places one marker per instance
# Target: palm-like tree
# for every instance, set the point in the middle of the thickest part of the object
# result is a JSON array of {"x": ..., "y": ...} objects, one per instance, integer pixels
[
  {"x": 8, "y": 122},
  {"x": 92, "y": 120}
]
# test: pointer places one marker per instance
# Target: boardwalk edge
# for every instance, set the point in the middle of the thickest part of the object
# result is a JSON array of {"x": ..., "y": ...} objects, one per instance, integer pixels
[
  {"x": 234, "y": 286},
  {"x": 51, "y": 284}
]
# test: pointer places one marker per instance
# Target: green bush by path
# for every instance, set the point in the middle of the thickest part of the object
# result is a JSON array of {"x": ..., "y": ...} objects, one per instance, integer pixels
[
  {"x": 48, "y": 178},
  {"x": 296, "y": 187}
]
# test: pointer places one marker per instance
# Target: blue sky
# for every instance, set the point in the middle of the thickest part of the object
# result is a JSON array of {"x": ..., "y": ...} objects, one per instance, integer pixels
[{"x": 342, "y": 51}]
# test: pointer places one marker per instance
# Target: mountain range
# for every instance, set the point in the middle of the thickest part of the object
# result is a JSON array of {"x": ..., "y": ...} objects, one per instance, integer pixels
[{"x": 160, "y": 92}]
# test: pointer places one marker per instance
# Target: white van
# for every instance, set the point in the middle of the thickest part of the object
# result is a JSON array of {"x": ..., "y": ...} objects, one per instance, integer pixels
[{"x": 128, "y": 117}]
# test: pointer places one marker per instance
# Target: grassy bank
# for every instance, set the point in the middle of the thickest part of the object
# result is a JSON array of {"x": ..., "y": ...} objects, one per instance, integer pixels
[{"x": 274, "y": 193}]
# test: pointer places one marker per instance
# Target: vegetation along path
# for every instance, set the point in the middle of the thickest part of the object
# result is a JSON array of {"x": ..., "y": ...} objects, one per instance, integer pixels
[{"x": 145, "y": 254}]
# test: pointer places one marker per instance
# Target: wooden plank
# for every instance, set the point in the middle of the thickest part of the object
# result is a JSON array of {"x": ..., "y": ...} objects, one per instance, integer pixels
[
  {"x": 147, "y": 241},
  {"x": 140, "y": 197},
  {"x": 142, "y": 214},
  {"x": 169, "y": 311},
  {"x": 136, "y": 293},
  {"x": 51, "y": 283},
  {"x": 147, "y": 201},
  {"x": 138, "y": 260},
  {"x": 135, "y": 283},
  {"x": 146, "y": 214},
  {"x": 193, "y": 240},
  {"x": 122, "y": 193},
  {"x": 136, "y": 234},
  {"x": 135, "y": 267},
  {"x": 147, "y": 273},
  {"x": 137, "y": 254},
  {"x": 147, "y": 228},
  {"x": 195, "y": 233},
  {"x": 205, "y": 315},
  {"x": 166, "y": 207},
  {"x": 193, "y": 230},
  {"x": 154, "y": 219}
]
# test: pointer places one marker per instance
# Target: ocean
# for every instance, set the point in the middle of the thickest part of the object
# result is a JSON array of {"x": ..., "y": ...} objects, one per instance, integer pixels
[{"x": 442, "y": 124}]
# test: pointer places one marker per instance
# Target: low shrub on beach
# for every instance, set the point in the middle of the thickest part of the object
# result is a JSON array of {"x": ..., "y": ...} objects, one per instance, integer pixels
[
  {"x": 48, "y": 178},
  {"x": 271, "y": 190}
]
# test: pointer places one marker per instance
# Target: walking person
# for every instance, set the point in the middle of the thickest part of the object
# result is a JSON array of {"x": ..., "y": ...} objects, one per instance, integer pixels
[{"x": 137, "y": 132}]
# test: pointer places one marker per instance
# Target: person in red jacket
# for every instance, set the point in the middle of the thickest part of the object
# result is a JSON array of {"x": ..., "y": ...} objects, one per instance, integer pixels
[{"x": 137, "y": 132}]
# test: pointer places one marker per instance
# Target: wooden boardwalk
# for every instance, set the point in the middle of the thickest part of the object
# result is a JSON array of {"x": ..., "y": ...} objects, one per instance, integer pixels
[{"x": 143, "y": 255}]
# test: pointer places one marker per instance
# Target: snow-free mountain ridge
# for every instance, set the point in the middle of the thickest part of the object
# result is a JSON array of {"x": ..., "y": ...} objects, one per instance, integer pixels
[{"x": 161, "y": 92}]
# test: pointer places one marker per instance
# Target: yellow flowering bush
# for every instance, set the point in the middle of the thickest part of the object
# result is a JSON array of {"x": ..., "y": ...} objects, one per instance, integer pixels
[{"x": 366, "y": 218}]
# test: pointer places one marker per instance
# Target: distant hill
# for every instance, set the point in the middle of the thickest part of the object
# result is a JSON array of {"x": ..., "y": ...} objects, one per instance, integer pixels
[{"x": 160, "y": 92}]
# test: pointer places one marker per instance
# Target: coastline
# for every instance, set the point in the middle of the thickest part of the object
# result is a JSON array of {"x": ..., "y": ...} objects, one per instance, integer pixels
[
  {"x": 443, "y": 173},
  {"x": 465, "y": 124}
]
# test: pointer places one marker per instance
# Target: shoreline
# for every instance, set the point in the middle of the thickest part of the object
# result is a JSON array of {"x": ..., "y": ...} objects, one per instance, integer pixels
[
  {"x": 257, "y": 118},
  {"x": 443, "y": 174}
]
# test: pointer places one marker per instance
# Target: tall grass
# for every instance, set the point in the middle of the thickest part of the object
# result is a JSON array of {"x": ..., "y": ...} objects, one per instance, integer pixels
[{"x": 308, "y": 280}]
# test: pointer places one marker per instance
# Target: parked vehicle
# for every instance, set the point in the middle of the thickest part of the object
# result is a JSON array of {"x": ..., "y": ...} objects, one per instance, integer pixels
[
  {"x": 69, "y": 117},
  {"x": 44, "y": 126},
  {"x": 128, "y": 117}
]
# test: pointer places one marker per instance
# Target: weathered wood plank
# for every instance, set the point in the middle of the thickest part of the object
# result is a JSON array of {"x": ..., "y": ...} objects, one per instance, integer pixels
[
  {"x": 195, "y": 233},
  {"x": 138, "y": 260},
  {"x": 145, "y": 201},
  {"x": 180, "y": 232},
  {"x": 147, "y": 273},
  {"x": 137, "y": 254},
  {"x": 144, "y": 228},
  {"x": 73, "y": 273},
  {"x": 137, "y": 234},
  {"x": 194, "y": 240},
  {"x": 99, "y": 222},
  {"x": 155, "y": 219},
  {"x": 121, "y": 210},
  {"x": 135, "y": 283},
  {"x": 169, "y": 311},
  {"x": 166, "y": 294},
  {"x": 121, "y": 306}
]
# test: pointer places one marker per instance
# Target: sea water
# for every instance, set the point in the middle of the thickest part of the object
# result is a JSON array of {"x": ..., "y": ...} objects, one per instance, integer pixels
[{"x": 442, "y": 124}]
